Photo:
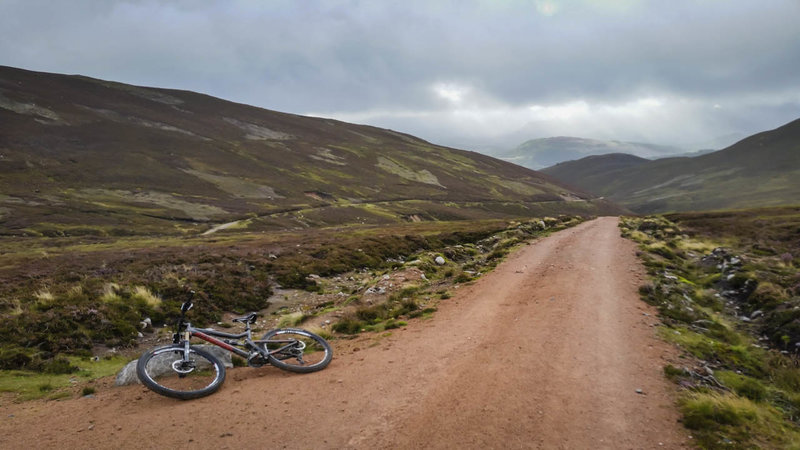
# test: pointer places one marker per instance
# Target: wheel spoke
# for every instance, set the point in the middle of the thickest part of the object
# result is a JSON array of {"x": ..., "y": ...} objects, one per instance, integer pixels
[{"x": 168, "y": 372}]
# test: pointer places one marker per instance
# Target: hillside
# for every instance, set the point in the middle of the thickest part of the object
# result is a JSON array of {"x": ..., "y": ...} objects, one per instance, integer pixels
[
  {"x": 761, "y": 170},
  {"x": 592, "y": 172},
  {"x": 538, "y": 153},
  {"x": 86, "y": 156}
]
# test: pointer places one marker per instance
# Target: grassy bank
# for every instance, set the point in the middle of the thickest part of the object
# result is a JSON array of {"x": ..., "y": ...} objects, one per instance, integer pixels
[{"x": 726, "y": 287}]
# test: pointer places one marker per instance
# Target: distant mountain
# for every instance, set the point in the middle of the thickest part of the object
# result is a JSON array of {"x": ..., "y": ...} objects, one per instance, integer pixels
[
  {"x": 761, "y": 170},
  {"x": 691, "y": 154},
  {"x": 538, "y": 153},
  {"x": 592, "y": 173},
  {"x": 86, "y": 156}
]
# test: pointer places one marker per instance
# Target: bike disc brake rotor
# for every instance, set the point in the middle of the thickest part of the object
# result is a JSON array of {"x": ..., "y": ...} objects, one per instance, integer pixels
[{"x": 182, "y": 366}]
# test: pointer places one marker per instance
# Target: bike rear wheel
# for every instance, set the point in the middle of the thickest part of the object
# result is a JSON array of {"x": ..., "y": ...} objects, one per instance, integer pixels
[
  {"x": 296, "y": 350},
  {"x": 166, "y": 371}
]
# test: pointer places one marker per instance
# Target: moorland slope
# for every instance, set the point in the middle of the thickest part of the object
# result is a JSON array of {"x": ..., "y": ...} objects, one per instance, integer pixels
[
  {"x": 761, "y": 170},
  {"x": 86, "y": 156}
]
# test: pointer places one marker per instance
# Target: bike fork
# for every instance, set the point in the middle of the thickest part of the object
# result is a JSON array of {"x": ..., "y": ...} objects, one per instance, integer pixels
[{"x": 186, "y": 351}]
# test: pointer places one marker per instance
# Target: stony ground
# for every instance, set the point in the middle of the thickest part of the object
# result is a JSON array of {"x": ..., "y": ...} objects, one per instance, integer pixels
[{"x": 553, "y": 349}]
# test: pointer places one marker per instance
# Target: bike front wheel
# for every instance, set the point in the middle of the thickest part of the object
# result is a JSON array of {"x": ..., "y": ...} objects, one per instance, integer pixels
[
  {"x": 296, "y": 350},
  {"x": 166, "y": 371}
]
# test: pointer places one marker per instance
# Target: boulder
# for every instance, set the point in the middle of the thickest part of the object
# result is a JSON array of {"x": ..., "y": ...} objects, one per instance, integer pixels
[
  {"x": 128, "y": 375},
  {"x": 439, "y": 260}
]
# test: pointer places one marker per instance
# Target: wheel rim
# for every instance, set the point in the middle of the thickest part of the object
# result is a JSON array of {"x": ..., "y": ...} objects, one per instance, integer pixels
[
  {"x": 168, "y": 369},
  {"x": 295, "y": 348}
]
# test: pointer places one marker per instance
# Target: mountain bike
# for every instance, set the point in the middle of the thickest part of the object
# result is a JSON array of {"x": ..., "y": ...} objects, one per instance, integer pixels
[{"x": 185, "y": 371}]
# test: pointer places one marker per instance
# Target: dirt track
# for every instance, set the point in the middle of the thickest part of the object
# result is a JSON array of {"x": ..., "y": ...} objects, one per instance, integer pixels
[{"x": 545, "y": 352}]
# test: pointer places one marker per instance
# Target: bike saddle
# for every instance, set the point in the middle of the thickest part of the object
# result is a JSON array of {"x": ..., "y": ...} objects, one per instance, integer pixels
[{"x": 250, "y": 318}]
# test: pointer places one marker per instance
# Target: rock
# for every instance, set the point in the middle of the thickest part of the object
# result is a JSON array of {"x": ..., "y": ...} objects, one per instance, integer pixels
[
  {"x": 423, "y": 277},
  {"x": 128, "y": 376},
  {"x": 139, "y": 335},
  {"x": 756, "y": 314},
  {"x": 639, "y": 391},
  {"x": 439, "y": 260},
  {"x": 271, "y": 256}
]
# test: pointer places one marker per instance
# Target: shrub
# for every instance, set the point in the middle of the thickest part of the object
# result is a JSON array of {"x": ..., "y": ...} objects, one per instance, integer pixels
[
  {"x": 348, "y": 325},
  {"x": 371, "y": 313},
  {"x": 14, "y": 359},
  {"x": 463, "y": 277},
  {"x": 405, "y": 307},
  {"x": 58, "y": 366}
]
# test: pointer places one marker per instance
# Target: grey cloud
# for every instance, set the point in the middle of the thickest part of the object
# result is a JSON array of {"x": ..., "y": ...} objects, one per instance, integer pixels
[{"x": 379, "y": 61}]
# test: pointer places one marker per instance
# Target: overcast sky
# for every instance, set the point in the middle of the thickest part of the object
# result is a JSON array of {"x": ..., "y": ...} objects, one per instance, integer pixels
[{"x": 469, "y": 74}]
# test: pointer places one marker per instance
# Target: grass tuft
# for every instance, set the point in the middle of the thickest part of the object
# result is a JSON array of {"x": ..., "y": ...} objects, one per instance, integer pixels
[
  {"x": 142, "y": 293},
  {"x": 292, "y": 320},
  {"x": 729, "y": 420}
]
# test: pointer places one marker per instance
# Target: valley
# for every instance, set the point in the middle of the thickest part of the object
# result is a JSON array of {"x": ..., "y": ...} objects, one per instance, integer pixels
[{"x": 118, "y": 199}]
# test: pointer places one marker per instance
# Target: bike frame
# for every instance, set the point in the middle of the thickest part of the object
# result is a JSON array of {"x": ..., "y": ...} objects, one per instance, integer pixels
[
  {"x": 210, "y": 335},
  {"x": 231, "y": 341}
]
